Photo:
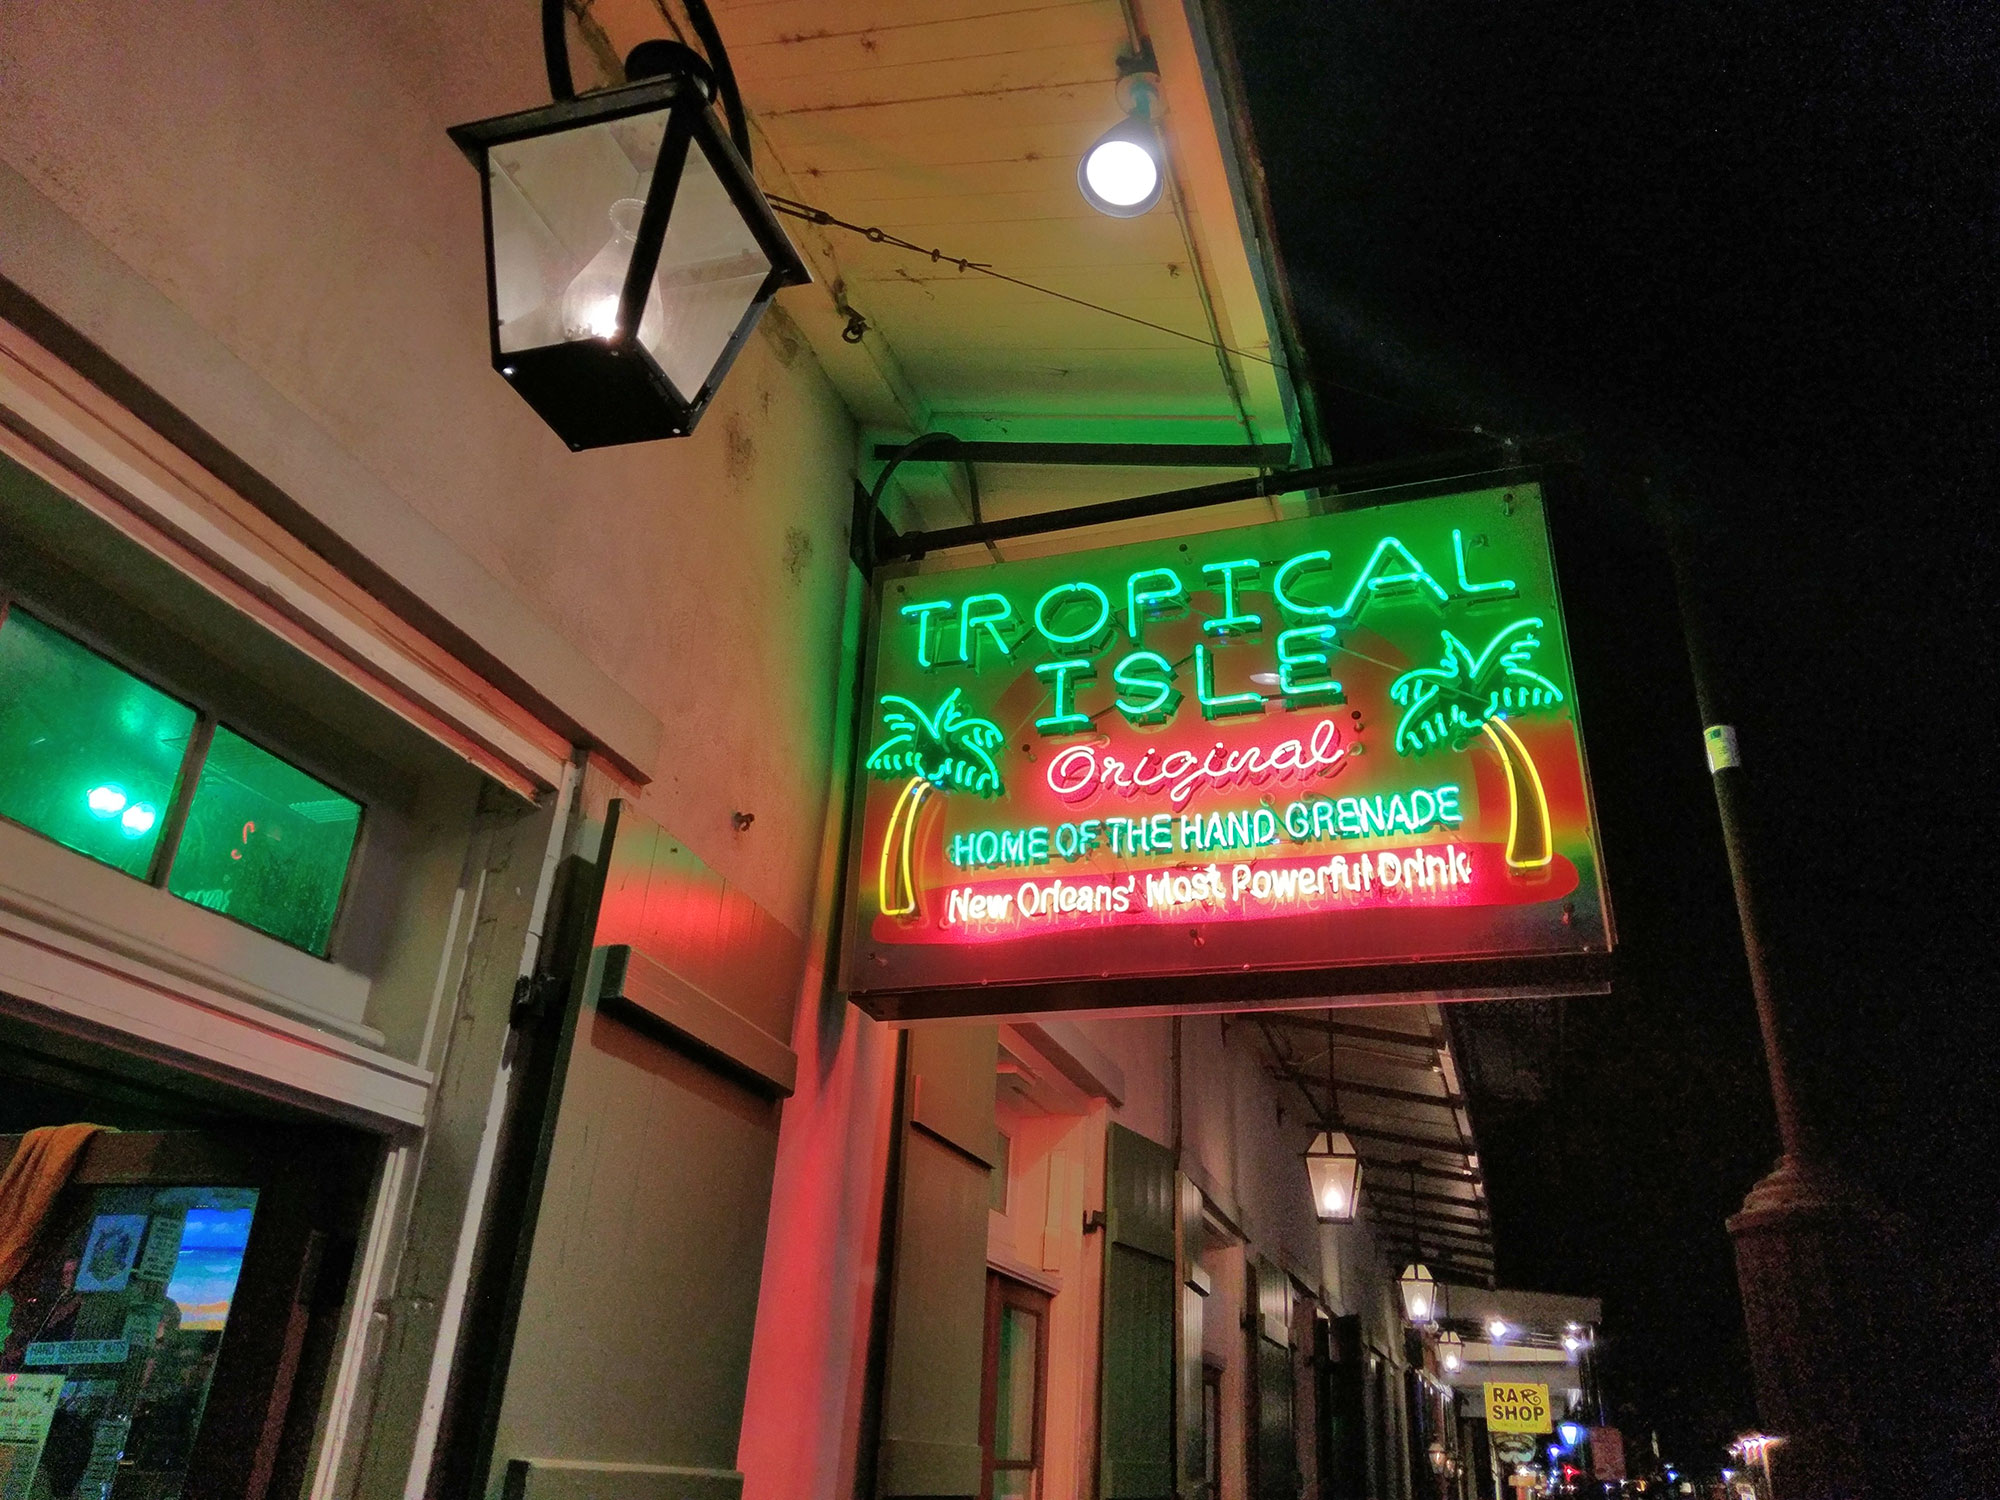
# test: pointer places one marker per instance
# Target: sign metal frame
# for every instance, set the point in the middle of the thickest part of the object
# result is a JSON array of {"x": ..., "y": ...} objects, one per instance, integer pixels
[{"x": 995, "y": 695}]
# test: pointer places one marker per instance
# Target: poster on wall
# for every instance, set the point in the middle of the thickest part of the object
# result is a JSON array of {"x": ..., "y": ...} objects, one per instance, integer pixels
[{"x": 1319, "y": 760}]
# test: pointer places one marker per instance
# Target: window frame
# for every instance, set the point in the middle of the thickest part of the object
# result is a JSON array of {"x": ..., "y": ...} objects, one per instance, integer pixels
[
  {"x": 187, "y": 777},
  {"x": 1003, "y": 1291}
]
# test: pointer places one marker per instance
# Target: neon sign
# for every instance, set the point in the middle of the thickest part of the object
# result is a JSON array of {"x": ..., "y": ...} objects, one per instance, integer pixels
[{"x": 1312, "y": 750}]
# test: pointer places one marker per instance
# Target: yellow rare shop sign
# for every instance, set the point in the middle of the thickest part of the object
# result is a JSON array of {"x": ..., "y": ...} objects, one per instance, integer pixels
[{"x": 1514, "y": 1407}]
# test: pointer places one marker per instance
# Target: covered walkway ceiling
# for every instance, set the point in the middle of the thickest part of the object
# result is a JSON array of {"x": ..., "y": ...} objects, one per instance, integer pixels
[
  {"x": 959, "y": 124},
  {"x": 1386, "y": 1076}
]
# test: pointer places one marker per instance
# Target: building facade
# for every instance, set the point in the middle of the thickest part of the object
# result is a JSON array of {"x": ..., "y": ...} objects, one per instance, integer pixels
[{"x": 422, "y": 843}]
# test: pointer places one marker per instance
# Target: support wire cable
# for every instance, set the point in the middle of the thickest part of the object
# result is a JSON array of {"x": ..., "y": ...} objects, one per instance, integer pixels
[{"x": 876, "y": 235}]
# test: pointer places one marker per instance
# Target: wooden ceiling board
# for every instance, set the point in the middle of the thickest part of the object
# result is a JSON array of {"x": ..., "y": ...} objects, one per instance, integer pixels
[
  {"x": 1157, "y": 427},
  {"x": 750, "y": 23},
  {"x": 959, "y": 124},
  {"x": 1151, "y": 286},
  {"x": 1011, "y": 308},
  {"x": 816, "y": 146},
  {"x": 1046, "y": 388},
  {"x": 1024, "y": 249},
  {"x": 864, "y": 187},
  {"x": 914, "y": 213},
  {"x": 1071, "y": 40}
]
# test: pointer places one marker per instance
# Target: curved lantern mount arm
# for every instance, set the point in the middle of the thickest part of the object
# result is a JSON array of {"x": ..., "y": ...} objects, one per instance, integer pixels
[{"x": 712, "y": 73}]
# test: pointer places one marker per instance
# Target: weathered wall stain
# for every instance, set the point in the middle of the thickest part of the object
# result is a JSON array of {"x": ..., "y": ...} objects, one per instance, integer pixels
[
  {"x": 739, "y": 449},
  {"x": 798, "y": 552}
]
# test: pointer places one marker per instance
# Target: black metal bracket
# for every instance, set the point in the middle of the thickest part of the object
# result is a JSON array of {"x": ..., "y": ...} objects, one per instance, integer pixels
[
  {"x": 942, "y": 447},
  {"x": 562, "y": 82},
  {"x": 885, "y": 544},
  {"x": 532, "y": 994}
]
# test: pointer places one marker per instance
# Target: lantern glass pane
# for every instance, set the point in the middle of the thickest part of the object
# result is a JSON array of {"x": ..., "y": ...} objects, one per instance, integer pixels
[
  {"x": 1335, "y": 1179},
  {"x": 565, "y": 204},
  {"x": 711, "y": 269}
]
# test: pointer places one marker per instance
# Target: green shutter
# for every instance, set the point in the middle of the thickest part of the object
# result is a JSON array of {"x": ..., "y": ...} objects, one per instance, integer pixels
[
  {"x": 1271, "y": 1340},
  {"x": 1141, "y": 1207},
  {"x": 1187, "y": 1357}
]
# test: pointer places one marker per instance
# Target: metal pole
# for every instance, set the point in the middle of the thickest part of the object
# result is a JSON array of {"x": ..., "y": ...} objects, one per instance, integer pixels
[
  {"x": 1726, "y": 772},
  {"x": 1805, "y": 1241}
]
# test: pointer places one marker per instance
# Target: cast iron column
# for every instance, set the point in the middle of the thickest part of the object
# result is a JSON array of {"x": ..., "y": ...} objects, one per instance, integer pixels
[{"x": 1804, "y": 1238}]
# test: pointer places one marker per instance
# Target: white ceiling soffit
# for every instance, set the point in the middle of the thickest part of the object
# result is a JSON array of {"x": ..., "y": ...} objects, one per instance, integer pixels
[{"x": 959, "y": 124}]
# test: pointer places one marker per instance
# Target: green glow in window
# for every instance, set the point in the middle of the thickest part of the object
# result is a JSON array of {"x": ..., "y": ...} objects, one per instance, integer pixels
[
  {"x": 265, "y": 843},
  {"x": 88, "y": 753}
]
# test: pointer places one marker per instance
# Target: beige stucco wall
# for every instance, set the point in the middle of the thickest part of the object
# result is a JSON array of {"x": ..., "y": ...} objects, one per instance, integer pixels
[{"x": 255, "y": 209}]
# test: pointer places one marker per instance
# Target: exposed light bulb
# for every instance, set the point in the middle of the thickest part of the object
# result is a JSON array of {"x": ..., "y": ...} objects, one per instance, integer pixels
[
  {"x": 1122, "y": 173},
  {"x": 590, "y": 302},
  {"x": 600, "y": 319},
  {"x": 139, "y": 818},
  {"x": 1497, "y": 1328},
  {"x": 1333, "y": 1201}
]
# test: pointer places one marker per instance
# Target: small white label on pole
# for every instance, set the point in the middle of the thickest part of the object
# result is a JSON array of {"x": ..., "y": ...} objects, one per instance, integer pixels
[{"x": 1721, "y": 742}]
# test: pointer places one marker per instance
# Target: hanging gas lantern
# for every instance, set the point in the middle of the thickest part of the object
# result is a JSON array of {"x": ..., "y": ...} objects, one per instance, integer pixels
[
  {"x": 1419, "y": 1290},
  {"x": 629, "y": 253},
  {"x": 1334, "y": 1169}
]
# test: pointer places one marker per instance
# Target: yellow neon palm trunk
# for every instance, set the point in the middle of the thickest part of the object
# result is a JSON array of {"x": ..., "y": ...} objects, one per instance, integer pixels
[
  {"x": 1529, "y": 843},
  {"x": 895, "y": 888}
]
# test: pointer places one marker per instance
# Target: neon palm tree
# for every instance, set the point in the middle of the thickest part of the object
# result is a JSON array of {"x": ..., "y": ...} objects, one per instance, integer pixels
[
  {"x": 949, "y": 750},
  {"x": 1468, "y": 695}
]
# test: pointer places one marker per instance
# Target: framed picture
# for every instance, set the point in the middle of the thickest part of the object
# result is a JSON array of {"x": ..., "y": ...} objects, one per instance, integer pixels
[{"x": 110, "y": 1252}]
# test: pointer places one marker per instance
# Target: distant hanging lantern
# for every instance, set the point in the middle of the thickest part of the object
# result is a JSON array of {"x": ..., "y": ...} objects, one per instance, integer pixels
[
  {"x": 629, "y": 254},
  {"x": 1451, "y": 1352},
  {"x": 1419, "y": 1291},
  {"x": 1334, "y": 1169}
]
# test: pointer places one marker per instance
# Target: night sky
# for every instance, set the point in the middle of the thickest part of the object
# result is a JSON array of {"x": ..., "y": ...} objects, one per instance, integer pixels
[{"x": 1748, "y": 252}]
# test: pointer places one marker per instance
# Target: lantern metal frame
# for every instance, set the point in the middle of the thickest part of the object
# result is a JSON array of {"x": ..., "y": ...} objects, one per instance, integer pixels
[
  {"x": 1332, "y": 1161},
  {"x": 1417, "y": 1282},
  {"x": 1451, "y": 1352},
  {"x": 600, "y": 392}
]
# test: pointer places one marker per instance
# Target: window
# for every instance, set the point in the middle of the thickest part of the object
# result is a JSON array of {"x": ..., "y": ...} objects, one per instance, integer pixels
[
  {"x": 265, "y": 843},
  {"x": 110, "y": 766},
  {"x": 89, "y": 756},
  {"x": 1010, "y": 1414}
]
